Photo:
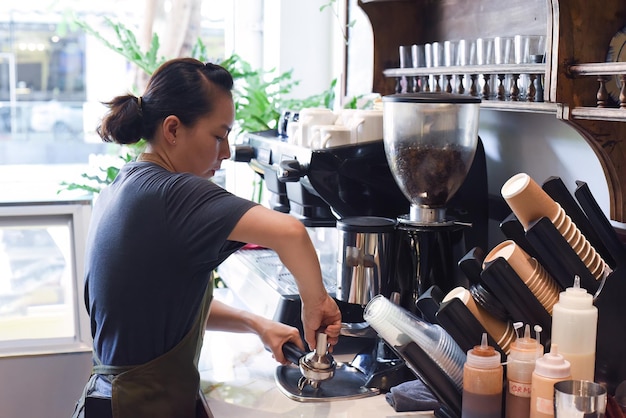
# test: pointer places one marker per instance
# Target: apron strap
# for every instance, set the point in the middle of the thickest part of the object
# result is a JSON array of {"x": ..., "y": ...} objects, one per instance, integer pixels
[{"x": 105, "y": 369}]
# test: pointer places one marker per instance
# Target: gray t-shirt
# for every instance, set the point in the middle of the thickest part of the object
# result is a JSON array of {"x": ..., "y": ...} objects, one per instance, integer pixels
[{"x": 154, "y": 239}]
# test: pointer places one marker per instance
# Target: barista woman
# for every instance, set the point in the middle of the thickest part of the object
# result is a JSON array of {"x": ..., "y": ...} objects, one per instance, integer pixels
[{"x": 156, "y": 234}]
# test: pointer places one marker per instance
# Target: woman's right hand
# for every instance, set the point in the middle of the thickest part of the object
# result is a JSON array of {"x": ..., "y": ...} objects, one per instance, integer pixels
[
  {"x": 290, "y": 239},
  {"x": 322, "y": 316}
]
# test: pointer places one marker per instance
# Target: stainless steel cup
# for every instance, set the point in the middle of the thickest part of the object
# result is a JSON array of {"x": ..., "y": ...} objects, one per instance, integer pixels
[
  {"x": 364, "y": 258},
  {"x": 578, "y": 398}
]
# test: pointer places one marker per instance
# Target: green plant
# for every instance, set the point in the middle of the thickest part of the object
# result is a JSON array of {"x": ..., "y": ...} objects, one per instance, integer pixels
[
  {"x": 260, "y": 96},
  {"x": 127, "y": 45},
  {"x": 104, "y": 176},
  {"x": 343, "y": 27}
]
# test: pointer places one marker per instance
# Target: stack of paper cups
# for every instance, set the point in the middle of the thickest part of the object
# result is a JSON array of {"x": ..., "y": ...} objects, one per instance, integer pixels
[
  {"x": 502, "y": 332},
  {"x": 540, "y": 283},
  {"x": 529, "y": 202}
]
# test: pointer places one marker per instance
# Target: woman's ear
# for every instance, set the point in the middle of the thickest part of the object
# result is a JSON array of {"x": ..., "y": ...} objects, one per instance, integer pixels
[{"x": 170, "y": 126}]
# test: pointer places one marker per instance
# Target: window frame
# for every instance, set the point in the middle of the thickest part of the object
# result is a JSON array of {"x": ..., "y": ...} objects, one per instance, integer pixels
[{"x": 78, "y": 213}]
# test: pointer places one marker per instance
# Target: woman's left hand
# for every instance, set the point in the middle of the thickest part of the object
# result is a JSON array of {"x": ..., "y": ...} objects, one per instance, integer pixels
[{"x": 273, "y": 334}]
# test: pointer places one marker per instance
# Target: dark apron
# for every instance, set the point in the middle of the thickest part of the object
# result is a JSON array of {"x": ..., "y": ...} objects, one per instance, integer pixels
[{"x": 166, "y": 387}]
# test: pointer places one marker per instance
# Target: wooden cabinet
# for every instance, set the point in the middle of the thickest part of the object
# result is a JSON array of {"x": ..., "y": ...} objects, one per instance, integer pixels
[{"x": 578, "y": 34}]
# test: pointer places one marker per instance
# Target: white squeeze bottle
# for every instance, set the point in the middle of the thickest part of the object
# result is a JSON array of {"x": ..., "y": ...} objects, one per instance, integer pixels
[
  {"x": 549, "y": 369},
  {"x": 574, "y": 329}
]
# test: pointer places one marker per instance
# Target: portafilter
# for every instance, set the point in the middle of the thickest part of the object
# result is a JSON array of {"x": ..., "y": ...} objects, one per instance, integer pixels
[
  {"x": 341, "y": 381},
  {"x": 316, "y": 366}
]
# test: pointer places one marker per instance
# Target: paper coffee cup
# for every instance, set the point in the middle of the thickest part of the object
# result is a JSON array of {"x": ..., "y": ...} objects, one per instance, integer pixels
[
  {"x": 496, "y": 328},
  {"x": 515, "y": 256},
  {"x": 528, "y": 201}
]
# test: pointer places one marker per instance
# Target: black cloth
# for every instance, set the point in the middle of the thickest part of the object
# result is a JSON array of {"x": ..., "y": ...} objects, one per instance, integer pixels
[
  {"x": 154, "y": 239},
  {"x": 101, "y": 408},
  {"x": 412, "y": 396}
]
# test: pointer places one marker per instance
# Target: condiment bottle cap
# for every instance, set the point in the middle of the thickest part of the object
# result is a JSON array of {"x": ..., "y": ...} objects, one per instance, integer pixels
[
  {"x": 575, "y": 297},
  {"x": 523, "y": 353},
  {"x": 553, "y": 365},
  {"x": 524, "y": 348},
  {"x": 483, "y": 356}
]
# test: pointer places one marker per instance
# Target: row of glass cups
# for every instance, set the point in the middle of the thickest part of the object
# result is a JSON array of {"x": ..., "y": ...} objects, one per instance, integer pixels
[{"x": 499, "y": 50}]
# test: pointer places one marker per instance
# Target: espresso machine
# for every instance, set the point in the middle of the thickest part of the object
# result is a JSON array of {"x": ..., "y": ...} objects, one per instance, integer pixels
[
  {"x": 354, "y": 206},
  {"x": 319, "y": 187}
]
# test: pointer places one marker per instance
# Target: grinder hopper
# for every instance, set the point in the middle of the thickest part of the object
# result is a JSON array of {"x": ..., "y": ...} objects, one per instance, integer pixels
[{"x": 430, "y": 140}]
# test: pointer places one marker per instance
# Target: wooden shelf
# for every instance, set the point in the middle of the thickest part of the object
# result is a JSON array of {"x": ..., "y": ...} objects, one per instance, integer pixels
[
  {"x": 479, "y": 70},
  {"x": 467, "y": 69},
  {"x": 594, "y": 113},
  {"x": 524, "y": 107},
  {"x": 598, "y": 69}
]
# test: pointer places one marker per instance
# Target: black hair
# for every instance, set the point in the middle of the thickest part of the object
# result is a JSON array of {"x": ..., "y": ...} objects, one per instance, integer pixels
[{"x": 183, "y": 87}]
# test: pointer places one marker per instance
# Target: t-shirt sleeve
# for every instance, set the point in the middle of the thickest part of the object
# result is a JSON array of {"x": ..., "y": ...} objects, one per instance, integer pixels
[{"x": 202, "y": 215}]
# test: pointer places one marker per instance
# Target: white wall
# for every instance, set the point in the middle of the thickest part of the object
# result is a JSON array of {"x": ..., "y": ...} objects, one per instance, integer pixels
[
  {"x": 541, "y": 146},
  {"x": 245, "y": 36},
  {"x": 299, "y": 36}
]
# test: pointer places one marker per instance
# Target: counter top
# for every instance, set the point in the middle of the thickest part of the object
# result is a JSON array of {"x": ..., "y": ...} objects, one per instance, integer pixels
[{"x": 237, "y": 376}]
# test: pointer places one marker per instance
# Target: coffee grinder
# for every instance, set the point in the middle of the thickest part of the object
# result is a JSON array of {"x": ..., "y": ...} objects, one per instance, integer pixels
[
  {"x": 435, "y": 157},
  {"x": 430, "y": 141}
]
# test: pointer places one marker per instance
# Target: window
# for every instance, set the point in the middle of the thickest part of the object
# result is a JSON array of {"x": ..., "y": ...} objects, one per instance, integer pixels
[
  {"x": 42, "y": 81},
  {"x": 41, "y": 257},
  {"x": 54, "y": 76}
]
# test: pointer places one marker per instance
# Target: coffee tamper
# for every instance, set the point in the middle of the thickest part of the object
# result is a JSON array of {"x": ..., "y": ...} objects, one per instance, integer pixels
[{"x": 315, "y": 366}]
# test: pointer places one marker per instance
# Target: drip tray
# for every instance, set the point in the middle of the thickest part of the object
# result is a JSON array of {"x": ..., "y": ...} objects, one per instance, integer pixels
[{"x": 347, "y": 383}]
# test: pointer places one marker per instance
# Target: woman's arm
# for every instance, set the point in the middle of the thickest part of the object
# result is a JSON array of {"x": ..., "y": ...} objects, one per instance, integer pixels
[
  {"x": 273, "y": 334},
  {"x": 288, "y": 237}
]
